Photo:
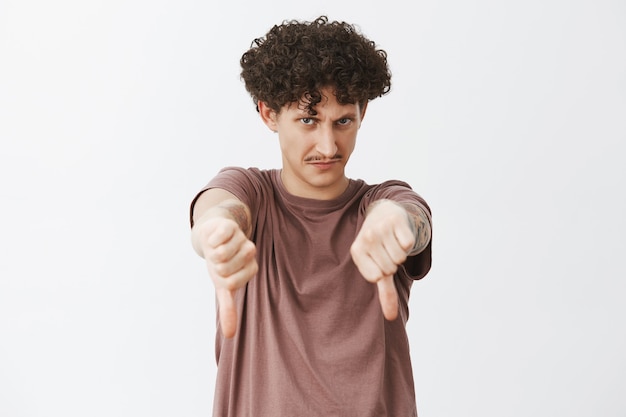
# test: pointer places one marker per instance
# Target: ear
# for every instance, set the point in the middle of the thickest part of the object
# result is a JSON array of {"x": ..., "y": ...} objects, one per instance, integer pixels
[{"x": 268, "y": 116}]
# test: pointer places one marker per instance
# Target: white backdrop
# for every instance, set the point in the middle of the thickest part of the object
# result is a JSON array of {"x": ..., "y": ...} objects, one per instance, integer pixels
[{"x": 508, "y": 117}]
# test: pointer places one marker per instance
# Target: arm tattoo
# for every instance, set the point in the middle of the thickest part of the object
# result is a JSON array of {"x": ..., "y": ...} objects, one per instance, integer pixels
[
  {"x": 239, "y": 213},
  {"x": 420, "y": 226}
]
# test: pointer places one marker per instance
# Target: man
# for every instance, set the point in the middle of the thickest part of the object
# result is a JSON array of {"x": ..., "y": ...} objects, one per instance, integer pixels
[{"x": 312, "y": 270}]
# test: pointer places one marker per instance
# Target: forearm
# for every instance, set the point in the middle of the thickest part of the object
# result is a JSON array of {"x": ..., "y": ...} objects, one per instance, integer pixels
[
  {"x": 420, "y": 226},
  {"x": 220, "y": 234},
  {"x": 218, "y": 205},
  {"x": 418, "y": 222}
]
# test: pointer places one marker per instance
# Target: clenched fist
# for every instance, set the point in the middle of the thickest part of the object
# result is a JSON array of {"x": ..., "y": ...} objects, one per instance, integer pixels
[
  {"x": 220, "y": 236},
  {"x": 383, "y": 243}
]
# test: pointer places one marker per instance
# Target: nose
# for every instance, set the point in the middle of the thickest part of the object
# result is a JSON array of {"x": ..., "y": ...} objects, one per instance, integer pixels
[{"x": 326, "y": 144}]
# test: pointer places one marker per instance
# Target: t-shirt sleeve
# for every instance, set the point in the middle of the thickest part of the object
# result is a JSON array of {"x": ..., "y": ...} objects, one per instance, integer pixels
[{"x": 417, "y": 266}]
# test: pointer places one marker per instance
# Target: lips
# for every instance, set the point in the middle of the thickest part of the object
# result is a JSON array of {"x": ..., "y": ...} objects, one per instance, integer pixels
[
  {"x": 324, "y": 164},
  {"x": 327, "y": 164},
  {"x": 317, "y": 159}
]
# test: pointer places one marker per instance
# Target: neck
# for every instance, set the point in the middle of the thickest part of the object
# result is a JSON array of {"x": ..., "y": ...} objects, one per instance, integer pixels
[{"x": 298, "y": 188}]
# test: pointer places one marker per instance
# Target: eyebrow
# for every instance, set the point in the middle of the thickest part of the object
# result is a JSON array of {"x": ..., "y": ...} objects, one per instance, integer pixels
[{"x": 305, "y": 115}]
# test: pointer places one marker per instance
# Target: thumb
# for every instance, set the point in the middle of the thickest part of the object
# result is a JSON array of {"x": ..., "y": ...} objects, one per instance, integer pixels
[
  {"x": 388, "y": 297},
  {"x": 227, "y": 311}
]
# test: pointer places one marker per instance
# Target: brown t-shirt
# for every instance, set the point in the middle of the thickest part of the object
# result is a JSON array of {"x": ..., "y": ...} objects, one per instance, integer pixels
[{"x": 312, "y": 340}]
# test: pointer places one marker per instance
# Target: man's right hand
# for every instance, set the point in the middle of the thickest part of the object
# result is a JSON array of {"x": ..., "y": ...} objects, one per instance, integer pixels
[
  {"x": 231, "y": 261},
  {"x": 221, "y": 235}
]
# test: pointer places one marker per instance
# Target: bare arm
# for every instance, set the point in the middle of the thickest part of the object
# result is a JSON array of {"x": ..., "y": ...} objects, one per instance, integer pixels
[
  {"x": 221, "y": 235},
  {"x": 420, "y": 227},
  {"x": 218, "y": 203}
]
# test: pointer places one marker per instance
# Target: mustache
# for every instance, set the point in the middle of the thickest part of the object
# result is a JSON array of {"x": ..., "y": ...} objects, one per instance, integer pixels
[{"x": 314, "y": 158}]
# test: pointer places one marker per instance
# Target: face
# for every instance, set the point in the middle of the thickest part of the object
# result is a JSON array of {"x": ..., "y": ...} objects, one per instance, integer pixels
[{"x": 315, "y": 149}]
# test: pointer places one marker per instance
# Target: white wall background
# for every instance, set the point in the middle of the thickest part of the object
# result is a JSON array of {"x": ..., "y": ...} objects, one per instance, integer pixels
[{"x": 508, "y": 117}]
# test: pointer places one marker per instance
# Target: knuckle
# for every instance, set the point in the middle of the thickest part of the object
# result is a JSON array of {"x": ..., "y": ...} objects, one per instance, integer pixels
[
  {"x": 231, "y": 284},
  {"x": 390, "y": 270},
  {"x": 254, "y": 268},
  {"x": 249, "y": 248},
  {"x": 399, "y": 260},
  {"x": 221, "y": 269},
  {"x": 369, "y": 235},
  {"x": 355, "y": 249},
  {"x": 224, "y": 227},
  {"x": 372, "y": 276},
  {"x": 220, "y": 254}
]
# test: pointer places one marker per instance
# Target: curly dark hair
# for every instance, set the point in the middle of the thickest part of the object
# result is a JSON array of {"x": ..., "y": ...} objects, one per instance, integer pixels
[{"x": 295, "y": 60}]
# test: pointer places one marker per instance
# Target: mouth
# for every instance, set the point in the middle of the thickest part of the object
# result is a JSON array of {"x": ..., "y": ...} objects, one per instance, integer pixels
[
  {"x": 317, "y": 159},
  {"x": 323, "y": 164}
]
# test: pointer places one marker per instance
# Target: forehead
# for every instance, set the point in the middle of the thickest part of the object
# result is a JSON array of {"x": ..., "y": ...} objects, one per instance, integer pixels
[{"x": 327, "y": 106}]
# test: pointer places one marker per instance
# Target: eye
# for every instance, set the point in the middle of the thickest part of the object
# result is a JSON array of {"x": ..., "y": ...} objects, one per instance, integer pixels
[
  {"x": 345, "y": 121},
  {"x": 307, "y": 120}
]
